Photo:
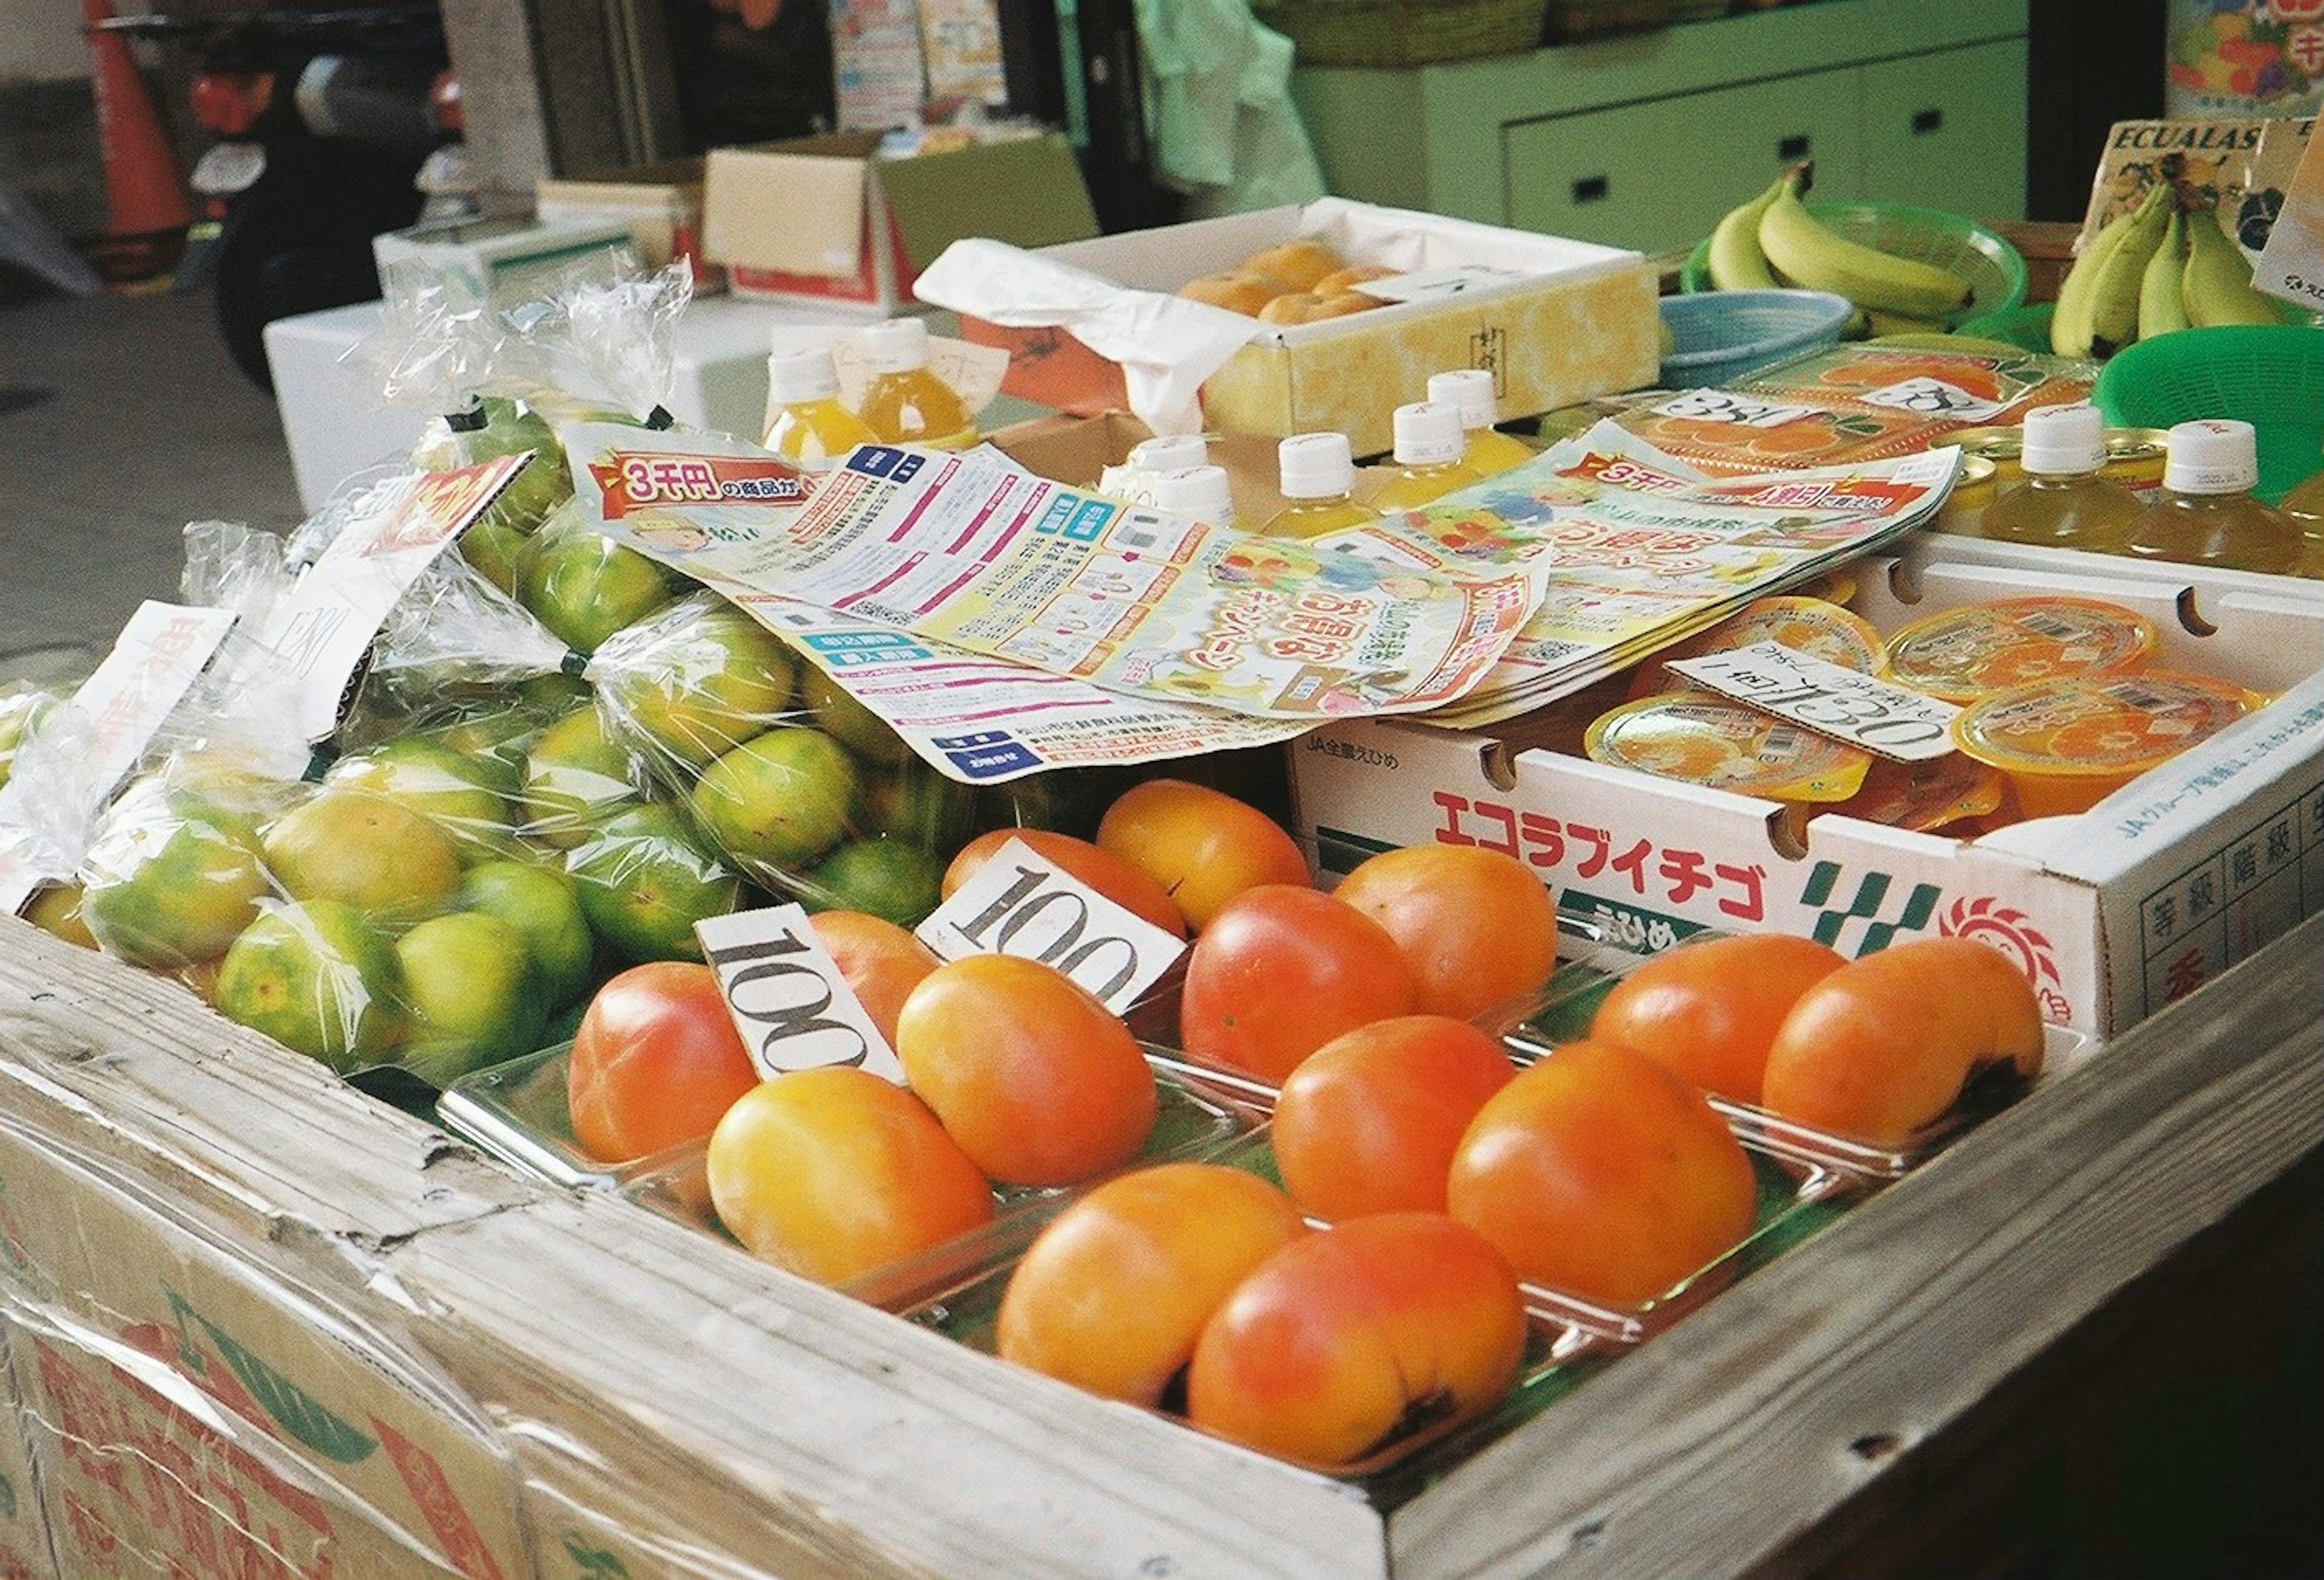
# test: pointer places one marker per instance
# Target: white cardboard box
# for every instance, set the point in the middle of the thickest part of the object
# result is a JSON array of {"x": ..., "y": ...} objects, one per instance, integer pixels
[
  {"x": 2113, "y": 913},
  {"x": 501, "y": 261}
]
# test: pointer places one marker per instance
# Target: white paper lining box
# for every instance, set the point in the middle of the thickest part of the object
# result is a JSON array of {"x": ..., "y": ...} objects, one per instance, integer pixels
[
  {"x": 661, "y": 203},
  {"x": 2114, "y": 912},
  {"x": 1572, "y": 319},
  {"x": 502, "y": 261}
]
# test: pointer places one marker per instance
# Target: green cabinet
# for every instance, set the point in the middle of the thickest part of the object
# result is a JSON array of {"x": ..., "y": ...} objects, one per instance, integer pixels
[{"x": 1645, "y": 140}]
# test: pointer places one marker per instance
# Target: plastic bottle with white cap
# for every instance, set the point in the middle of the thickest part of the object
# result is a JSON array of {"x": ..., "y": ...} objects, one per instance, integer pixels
[
  {"x": 1430, "y": 446},
  {"x": 1201, "y": 491},
  {"x": 2206, "y": 514},
  {"x": 1169, "y": 453},
  {"x": 1471, "y": 391},
  {"x": 906, "y": 403},
  {"x": 1317, "y": 478},
  {"x": 805, "y": 418},
  {"x": 2064, "y": 499}
]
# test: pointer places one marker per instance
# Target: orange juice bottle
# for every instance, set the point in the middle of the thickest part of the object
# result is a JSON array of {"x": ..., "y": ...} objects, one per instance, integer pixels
[
  {"x": 2205, "y": 514},
  {"x": 906, "y": 403},
  {"x": 1200, "y": 491},
  {"x": 1470, "y": 389},
  {"x": 2064, "y": 499},
  {"x": 1430, "y": 444},
  {"x": 1169, "y": 453},
  {"x": 1318, "y": 480},
  {"x": 806, "y": 420}
]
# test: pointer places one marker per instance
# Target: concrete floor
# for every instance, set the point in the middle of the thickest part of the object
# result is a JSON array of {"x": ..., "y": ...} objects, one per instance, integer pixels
[{"x": 121, "y": 420}]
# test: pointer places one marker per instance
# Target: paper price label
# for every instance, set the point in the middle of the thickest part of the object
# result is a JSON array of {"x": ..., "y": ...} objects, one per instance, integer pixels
[
  {"x": 788, "y": 998},
  {"x": 1830, "y": 699},
  {"x": 1721, "y": 406},
  {"x": 1935, "y": 398},
  {"x": 1437, "y": 285},
  {"x": 1019, "y": 903}
]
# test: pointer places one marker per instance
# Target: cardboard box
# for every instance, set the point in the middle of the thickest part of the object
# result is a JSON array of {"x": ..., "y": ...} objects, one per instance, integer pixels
[
  {"x": 1581, "y": 321},
  {"x": 829, "y": 220},
  {"x": 501, "y": 261},
  {"x": 2114, "y": 912},
  {"x": 661, "y": 203}
]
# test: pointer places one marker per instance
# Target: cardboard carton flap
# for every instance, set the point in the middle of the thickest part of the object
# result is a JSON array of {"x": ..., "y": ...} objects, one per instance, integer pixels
[
  {"x": 1028, "y": 191},
  {"x": 799, "y": 209}
]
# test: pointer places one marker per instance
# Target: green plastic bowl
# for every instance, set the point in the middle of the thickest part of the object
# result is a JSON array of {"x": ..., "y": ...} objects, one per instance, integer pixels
[
  {"x": 2269, "y": 375},
  {"x": 1995, "y": 269},
  {"x": 2026, "y": 326}
]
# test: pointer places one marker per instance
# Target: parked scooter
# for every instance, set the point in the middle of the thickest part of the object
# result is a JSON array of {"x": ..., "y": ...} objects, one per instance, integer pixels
[{"x": 321, "y": 123}]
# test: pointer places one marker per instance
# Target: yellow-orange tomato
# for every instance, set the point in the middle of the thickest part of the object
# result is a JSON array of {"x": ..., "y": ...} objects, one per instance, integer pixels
[
  {"x": 1037, "y": 1080},
  {"x": 1345, "y": 1340},
  {"x": 656, "y": 1060},
  {"x": 1281, "y": 970},
  {"x": 1112, "y": 1294},
  {"x": 1708, "y": 1008},
  {"x": 1369, "y": 1122},
  {"x": 1125, "y": 884},
  {"x": 1478, "y": 924},
  {"x": 833, "y": 1172},
  {"x": 1883, "y": 1044},
  {"x": 1598, "y": 1172},
  {"x": 1201, "y": 845},
  {"x": 879, "y": 961}
]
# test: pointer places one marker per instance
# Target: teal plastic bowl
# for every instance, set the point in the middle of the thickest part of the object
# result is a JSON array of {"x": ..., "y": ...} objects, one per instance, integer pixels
[
  {"x": 1993, "y": 267},
  {"x": 1724, "y": 335}
]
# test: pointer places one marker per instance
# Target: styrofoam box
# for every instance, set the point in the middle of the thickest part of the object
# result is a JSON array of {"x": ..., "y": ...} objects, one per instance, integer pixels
[{"x": 2113, "y": 913}]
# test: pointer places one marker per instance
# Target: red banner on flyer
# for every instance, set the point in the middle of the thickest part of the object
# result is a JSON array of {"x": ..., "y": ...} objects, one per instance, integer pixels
[{"x": 630, "y": 482}]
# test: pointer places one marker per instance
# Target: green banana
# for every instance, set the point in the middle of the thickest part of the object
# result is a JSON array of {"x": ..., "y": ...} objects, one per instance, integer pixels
[
  {"x": 2114, "y": 294},
  {"x": 2161, "y": 308},
  {"x": 1809, "y": 252},
  {"x": 1734, "y": 261},
  {"x": 2070, "y": 321},
  {"x": 2217, "y": 287}
]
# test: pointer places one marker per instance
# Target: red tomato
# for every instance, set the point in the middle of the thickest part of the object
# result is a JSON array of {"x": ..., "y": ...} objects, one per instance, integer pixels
[
  {"x": 1479, "y": 925},
  {"x": 1282, "y": 970},
  {"x": 882, "y": 961},
  {"x": 656, "y": 1061},
  {"x": 1369, "y": 1122},
  {"x": 1708, "y": 1008},
  {"x": 1109, "y": 875},
  {"x": 1201, "y": 845},
  {"x": 1344, "y": 1341}
]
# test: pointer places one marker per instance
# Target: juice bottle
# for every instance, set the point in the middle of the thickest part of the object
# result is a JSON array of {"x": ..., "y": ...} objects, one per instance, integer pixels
[
  {"x": 805, "y": 420},
  {"x": 1169, "y": 453},
  {"x": 1318, "y": 474},
  {"x": 1471, "y": 391},
  {"x": 906, "y": 403},
  {"x": 2205, "y": 514},
  {"x": 2305, "y": 505},
  {"x": 2064, "y": 499},
  {"x": 1200, "y": 491},
  {"x": 1430, "y": 444}
]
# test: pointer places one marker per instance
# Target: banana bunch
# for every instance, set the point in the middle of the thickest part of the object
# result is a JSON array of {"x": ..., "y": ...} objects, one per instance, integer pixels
[
  {"x": 1772, "y": 241},
  {"x": 2155, "y": 266}
]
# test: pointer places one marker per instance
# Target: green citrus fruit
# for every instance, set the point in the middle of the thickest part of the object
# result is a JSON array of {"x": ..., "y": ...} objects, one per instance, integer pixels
[
  {"x": 697, "y": 680},
  {"x": 317, "y": 976},
  {"x": 164, "y": 887},
  {"x": 584, "y": 586},
  {"x": 349, "y": 844},
  {"x": 457, "y": 791},
  {"x": 574, "y": 777},
  {"x": 544, "y": 905},
  {"x": 475, "y": 994},
  {"x": 645, "y": 879},
  {"x": 778, "y": 802},
  {"x": 864, "y": 732},
  {"x": 894, "y": 878}
]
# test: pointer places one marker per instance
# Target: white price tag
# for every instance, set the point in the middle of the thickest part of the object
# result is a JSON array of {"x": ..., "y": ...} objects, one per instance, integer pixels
[
  {"x": 792, "y": 1006},
  {"x": 1830, "y": 699},
  {"x": 1437, "y": 285},
  {"x": 1935, "y": 398},
  {"x": 1019, "y": 903},
  {"x": 1724, "y": 406}
]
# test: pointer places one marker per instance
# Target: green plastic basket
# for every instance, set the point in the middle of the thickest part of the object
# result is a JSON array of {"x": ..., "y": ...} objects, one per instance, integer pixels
[
  {"x": 1995, "y": 269},
  {"x": 2269, "y": 375},
  {"x": 2026, "y": 326}
]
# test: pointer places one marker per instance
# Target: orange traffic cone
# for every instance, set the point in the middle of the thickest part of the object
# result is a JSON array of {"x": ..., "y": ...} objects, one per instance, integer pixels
[{"x": 145, "y": 187}]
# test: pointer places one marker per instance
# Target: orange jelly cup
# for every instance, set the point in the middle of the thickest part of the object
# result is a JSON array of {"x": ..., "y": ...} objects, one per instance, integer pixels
[
  {"x": 1704, "y": 739},
  {"x": 1814, "y": 626},
  {"x": 2069, "y": 742},
  {"x": 1959, "y": 654}
]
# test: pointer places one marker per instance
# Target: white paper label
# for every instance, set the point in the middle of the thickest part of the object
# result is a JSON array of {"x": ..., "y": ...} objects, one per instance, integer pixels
[
  {"x": 790, "y": 1003},
  {"x": 1437, "y": 285},
  {"x": 1019, "y": 903},
  {"x": 1935, "y": 398},
  {"x": 1723, "y": 406},
  {"x": 1829, "y": 699}
]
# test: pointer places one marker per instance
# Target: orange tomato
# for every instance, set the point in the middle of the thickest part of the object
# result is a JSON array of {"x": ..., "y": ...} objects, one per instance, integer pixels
[
  {"x": 1708, "y": 1008},
  {"x": 1344, "y": 1341},
  {"x": 1109, "y": 875},
  {"x": 880, "y": 959},
  {"x": 1598, "y": 1172},
  {"x": 1370, "y": 1121},
  {"x": 1882, "y": 1045},
  {"x": 1201, "y": 845},
  {"x": 1112, "y": 1294},
  {"x": 656, "y": 1060},
  {"x": 833, "y": 1172},
  {"x": 1037, "y": 1080},
  {"x": 1478, "y": 926},
  {"x": 1282, "y": 970}
]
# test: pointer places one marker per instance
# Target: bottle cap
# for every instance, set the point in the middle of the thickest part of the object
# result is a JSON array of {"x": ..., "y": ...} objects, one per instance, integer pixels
[
  {"x": 1315, "y": 466},
  {"x": 1428, "y": 433},
  {"x": 2212, "y": 456},
  {"x": 794, "y": 376},
  {"x": 2064, "y": 440},
  {"x": 1470, "y": 389},
  {"x": 897, "y": 345},
  {"x": 1169, "y": 453},
  {"x": 1200, "y": 491}
]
